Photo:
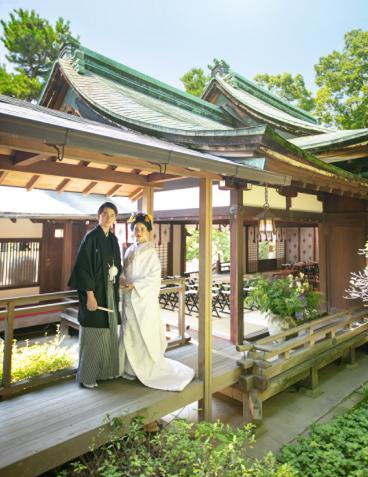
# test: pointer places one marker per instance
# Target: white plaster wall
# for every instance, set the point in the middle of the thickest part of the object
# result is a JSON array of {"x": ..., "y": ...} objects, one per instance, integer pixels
[
  {"x": 306, "y": 202},
  {"x": 22, "y": 228}
]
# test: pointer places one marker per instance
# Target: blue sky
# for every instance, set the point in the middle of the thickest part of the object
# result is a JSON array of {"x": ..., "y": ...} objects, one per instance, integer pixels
[{"x": 165, "y": 38}]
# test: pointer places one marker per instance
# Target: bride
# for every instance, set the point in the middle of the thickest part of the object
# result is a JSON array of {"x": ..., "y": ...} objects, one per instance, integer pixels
[{"x": 143, "y": 339}]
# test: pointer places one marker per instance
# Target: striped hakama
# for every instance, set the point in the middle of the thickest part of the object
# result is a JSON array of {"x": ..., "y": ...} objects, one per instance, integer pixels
[{"x": 99, "y": 348}]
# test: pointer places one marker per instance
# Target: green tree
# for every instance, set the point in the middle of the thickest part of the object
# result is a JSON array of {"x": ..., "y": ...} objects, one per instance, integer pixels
[
  {"x": 342, "y": 77},
  {"x": 195, "y": 81},
  {"x": 291, "y": 88},
  {"x": 19, "y": 85},
  {"x": 33, "y": 45}
]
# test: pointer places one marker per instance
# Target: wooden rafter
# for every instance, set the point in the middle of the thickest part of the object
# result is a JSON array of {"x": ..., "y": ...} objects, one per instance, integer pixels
[
  {"x": 136, "y": 194},
  {"x": 62, "y": 186},
  {"x": 89, "y": 188},
  {"x": 3, "y": 175},
  {"x": 22, "y": 158},
  {"x": 32, "y": 182},
  {"x": 114, "y": 190}
]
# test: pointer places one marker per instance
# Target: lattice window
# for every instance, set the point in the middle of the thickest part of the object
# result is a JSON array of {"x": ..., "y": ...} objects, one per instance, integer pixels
[
  {"x": 163, "y": 253},
  {"x": 19, "y": 263},
  {"x": 252, "y": 250}
]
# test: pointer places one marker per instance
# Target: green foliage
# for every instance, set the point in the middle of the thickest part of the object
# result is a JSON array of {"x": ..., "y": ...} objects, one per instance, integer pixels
[
  {"x": 291, "y": 299},
  {"x": 337, "y": 448},
  {"x": 220, "y": 244},
  {"x": 181, "y": 449},
  {"x": 342, "y": 99},
  {"x": 38, "y": 359},
  {"x": 33, "y": 44},
  {"x": 195, "y": 81},
  {"x": 19, "y": 85},
  {"x": 291, "y": 88}
]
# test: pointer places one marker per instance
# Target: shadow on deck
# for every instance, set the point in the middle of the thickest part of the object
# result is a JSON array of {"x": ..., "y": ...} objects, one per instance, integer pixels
[{"x": 47, "y": 427}]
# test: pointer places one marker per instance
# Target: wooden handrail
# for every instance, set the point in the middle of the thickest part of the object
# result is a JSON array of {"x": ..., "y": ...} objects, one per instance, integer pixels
[{"x": 18, "y": 306}]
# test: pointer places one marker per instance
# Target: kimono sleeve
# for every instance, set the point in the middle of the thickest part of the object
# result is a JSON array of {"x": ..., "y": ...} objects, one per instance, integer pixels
[
  {"x": 151, "y": 277},
  {"x": 83, "y": 276}
]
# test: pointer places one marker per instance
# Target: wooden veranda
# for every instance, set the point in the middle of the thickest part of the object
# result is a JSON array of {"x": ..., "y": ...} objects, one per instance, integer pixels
[{"x": 52, "y": 150}]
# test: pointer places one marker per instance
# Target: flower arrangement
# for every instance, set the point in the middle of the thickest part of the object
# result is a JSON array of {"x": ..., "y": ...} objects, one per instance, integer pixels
[
  {"x": 291, "y": 299},
  {"x": 358, "y": 283}
]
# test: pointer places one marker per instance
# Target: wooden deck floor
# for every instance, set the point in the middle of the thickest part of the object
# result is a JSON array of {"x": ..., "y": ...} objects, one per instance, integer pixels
[{"x": 47, "y": 427}]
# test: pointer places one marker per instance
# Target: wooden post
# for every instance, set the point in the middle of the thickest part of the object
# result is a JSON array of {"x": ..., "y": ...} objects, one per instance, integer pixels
[
  {"x": 66, "y": 266},
  {"x": 8, "y": 345},
  {"x": 205, "y": 298},
  {"x": 147, "y": 204},
  {"x": 236, "y": 266}
]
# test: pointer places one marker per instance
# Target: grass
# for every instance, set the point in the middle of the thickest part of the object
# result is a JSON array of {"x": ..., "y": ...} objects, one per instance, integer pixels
[{"x": 37, "y": 359}]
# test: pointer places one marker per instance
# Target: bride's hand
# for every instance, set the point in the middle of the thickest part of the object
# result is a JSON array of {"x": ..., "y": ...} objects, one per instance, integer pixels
[{"x": 128, "y": 286}]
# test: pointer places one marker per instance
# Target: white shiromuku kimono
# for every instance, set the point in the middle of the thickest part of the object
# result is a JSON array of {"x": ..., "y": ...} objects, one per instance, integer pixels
[{"x": 143, "y": 338}]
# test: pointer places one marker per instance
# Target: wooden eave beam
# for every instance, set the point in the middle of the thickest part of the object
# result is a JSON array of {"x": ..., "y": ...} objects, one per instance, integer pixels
[
  {"x": 31, "y": 184},
  {"x": 89, "y": 188},
  {"x": 74, "y": 172},
  {"x": 78, "y": 154},
  {"x": 305, "y": 173},
  {"x": 159, "y": 177}
]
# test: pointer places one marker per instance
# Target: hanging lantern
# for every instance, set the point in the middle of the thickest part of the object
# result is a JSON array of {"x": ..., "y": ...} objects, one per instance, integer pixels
[{"x": 266, "y": 221}]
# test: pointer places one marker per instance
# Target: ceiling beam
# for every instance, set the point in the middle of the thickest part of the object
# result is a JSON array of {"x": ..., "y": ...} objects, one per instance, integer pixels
[
  {"x": 31, "y": 184},
  {"x": 89, "y": 188},
  {"x": 75, "y": 172},
  {"x": 159, "y": 177}
]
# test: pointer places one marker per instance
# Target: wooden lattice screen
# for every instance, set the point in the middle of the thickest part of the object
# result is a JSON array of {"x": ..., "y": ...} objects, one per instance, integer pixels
[{"x": 19, "y": 263}]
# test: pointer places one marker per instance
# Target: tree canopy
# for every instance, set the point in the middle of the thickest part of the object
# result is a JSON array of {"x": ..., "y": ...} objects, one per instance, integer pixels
[
  {"x": 291, "y": 88},
  {"x": 33, "y": 45},
  {"x": 341, "y": 98},
  {"x": 342, "y": 77},
  {"x": 195, "y": 81}
]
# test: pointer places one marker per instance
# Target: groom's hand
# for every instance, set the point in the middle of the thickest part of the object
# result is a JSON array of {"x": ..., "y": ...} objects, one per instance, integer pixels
[{"x": 91, "y": 301}]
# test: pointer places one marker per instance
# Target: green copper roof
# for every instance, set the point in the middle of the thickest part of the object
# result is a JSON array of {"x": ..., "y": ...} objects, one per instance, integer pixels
[
  {"x": 131, "y": 98},
  {"x": 331, "y": 140},
  {"x": 266, "y": 105}
]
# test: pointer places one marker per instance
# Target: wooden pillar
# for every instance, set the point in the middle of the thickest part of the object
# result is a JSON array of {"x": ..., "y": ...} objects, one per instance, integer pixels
[
  {"x": 205, "y": 298},
  {"x": 236, "y": 266},
  {"x": 147, "y": 204},
  {"x": 66, "y": 265},
  {"x": 345, "y": 223}
]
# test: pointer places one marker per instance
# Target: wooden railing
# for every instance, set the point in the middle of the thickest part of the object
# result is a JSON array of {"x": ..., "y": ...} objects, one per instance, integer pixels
[
  {"x": 272, "y": 364},
  {"x": 59, "y": 302},
  {"x": 15, "y": 307}
]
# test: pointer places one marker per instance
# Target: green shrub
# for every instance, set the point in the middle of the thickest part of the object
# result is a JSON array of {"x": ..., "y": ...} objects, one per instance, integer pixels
[
  {"x": 337, "y": 448},
  {"x": 181, "y": 449},
  {"x": 40, "y": 358}
]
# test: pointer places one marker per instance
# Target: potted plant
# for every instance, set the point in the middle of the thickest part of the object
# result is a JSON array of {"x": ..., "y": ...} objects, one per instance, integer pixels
[{"x": 286, "y": 302}]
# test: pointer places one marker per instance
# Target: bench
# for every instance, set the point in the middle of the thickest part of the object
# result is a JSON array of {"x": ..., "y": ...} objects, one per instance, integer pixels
[
  {"x": 69, "y": 319},
  {"x": 272, "y": 364}
]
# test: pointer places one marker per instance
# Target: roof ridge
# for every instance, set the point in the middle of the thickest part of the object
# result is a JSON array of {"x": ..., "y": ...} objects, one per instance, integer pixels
[
  {"x": 130, "y": 77},
  {"x": 273, "y": 99}
]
